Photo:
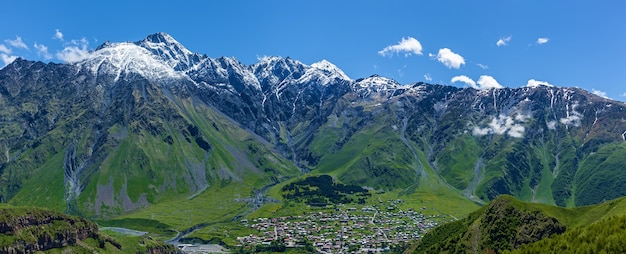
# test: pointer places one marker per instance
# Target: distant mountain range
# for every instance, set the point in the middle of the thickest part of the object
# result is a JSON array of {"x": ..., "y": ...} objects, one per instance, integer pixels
[{"x": 136, "y": 124}]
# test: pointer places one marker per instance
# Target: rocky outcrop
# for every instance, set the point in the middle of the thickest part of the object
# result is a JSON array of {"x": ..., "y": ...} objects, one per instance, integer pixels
[
  {"x": 31, "y": 230},
  {"x": 28, "y": 230}
]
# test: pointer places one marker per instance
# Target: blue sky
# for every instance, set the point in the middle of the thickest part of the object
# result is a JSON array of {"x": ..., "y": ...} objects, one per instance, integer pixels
[{"x": 474, "y": 43}]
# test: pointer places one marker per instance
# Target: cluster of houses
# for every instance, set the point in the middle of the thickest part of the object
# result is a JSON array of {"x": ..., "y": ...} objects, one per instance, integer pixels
[{"x": 365, "y": 230}]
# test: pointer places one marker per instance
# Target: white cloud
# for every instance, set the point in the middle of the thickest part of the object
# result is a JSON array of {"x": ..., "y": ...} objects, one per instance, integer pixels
[
  {"x": 7, "y": 59},
  {"x": 624, "y": 94},
  {"x": 516, "y": 131},
  {"x": 487, "y": 82},
  {"x": 407, "y": 46},
  {"x": 76, "y": 51},
  {"x": 17, "y": 43},
  {"x": 521, "y": 118},
  {"x": 42, "y": 50},
  {"x": 600, "y": 93},
  {"x": 449, "y": 58},
  {"x": 481, "y": 131},
  {"x": 537, "y": 83},
  {"x": 5, "y": 55},
  {"x": 503, "y": 41},
  {"x": 482, "y": 66},
  {"x": 465, "y": 79},
  {"x": 542, "y": 40},
  {"x": 502, "y": 124},
  {"x": 4, "y": 49},
  {"x": 572, "y": 118},
  {"x": 427, "y": 77},
  {"x": 58, "y": 35}
]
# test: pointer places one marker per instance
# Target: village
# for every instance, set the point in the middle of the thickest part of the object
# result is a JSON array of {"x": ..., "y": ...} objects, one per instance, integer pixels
[{"x": 344, "y": 229}]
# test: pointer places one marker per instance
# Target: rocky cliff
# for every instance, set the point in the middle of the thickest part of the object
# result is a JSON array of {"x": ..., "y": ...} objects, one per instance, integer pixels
[{"x": 28, "y": 230}]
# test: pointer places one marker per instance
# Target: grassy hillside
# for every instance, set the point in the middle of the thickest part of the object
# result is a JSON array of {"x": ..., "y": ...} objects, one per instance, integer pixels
[
  {"x": 603, "y": 236},
  {"x": 501, "y": 225},
  {"x": 152, "y": 160},
  {"x": 509, "y": 224},
  {"x": 368, "y": 147},
  {"x": 600, "y": 175}
]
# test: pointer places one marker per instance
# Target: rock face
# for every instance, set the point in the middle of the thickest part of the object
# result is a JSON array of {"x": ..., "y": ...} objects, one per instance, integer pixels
[
  {"x": 133, "y": 124},
  {"x": 30, "y": 230}
]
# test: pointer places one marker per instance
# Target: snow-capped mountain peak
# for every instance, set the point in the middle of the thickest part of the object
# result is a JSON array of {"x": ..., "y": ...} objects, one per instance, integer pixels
[
  {"x": 378, "y": 82},
  {"x": 268, "y": 60},
  {"x": 171, "y": 51},
  {"x": 164, "y": 38},
  {"x": 277, "y": 65},
  {"x": 323, "y": 73},
  {"x": 330, "y": 68},
  {"x": 272, "y": 70}
]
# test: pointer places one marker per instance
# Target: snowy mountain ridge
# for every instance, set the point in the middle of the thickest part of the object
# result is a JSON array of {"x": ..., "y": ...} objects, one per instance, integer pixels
[
  {"x": 159, "y": 56},
  {"x": 171, "y": 51},
  {"x": 124, "y": 58}
]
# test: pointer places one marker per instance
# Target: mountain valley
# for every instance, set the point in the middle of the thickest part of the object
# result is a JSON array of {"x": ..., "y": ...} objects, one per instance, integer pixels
[{"x": 151, "y": 136}]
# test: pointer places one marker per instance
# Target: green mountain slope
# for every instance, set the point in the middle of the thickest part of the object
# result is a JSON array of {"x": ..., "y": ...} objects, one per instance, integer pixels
[
  {"x": 539, "y": 145},
  {"x": 367, "y": 146},
  {"x": 166, "y": 148},
  {"x": 603, "y": 236},
  {"x": 509, "y": 224}
]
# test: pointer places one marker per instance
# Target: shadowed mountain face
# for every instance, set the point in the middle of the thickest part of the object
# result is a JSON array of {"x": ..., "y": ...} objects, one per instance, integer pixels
[{"x": 134, "y": 124}]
